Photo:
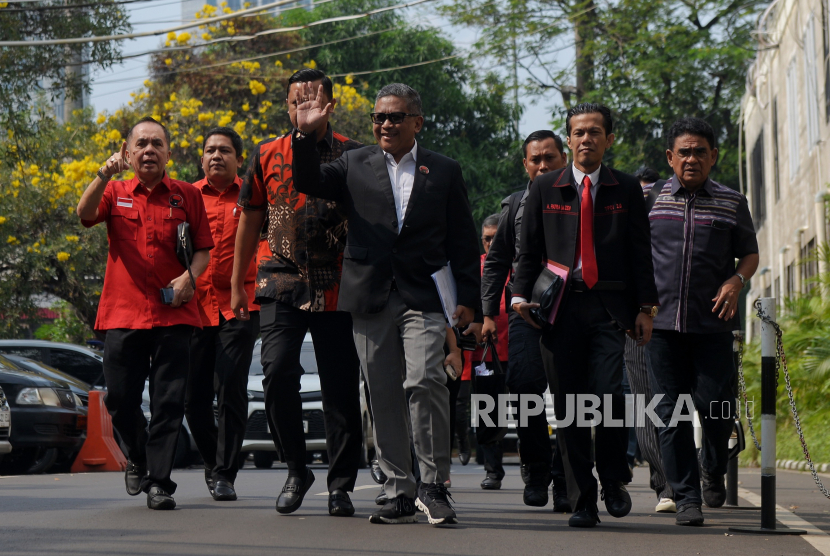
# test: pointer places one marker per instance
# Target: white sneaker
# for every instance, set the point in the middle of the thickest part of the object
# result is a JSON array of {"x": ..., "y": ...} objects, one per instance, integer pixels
[{"x": 666, "y": 505}]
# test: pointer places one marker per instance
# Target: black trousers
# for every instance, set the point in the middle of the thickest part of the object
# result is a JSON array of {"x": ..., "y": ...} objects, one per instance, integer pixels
[
  {"x": 130, "y": 357},
  {"x": 583, "y": 354},
  {"x": 220, "y": 358},
  {"x": 283, "y": 330},
  {"x": 699, "y": 365}
]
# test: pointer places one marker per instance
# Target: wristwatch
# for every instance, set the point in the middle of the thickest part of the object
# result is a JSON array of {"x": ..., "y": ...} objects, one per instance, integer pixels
[
  {"x": 650, "y": 310},
  {"x": 741, "y": 278},
  {"x": 104, "y": 178}
]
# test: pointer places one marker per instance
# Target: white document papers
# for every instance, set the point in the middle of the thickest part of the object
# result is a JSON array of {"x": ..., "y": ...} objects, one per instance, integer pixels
[{"x": 445, "y": 282}]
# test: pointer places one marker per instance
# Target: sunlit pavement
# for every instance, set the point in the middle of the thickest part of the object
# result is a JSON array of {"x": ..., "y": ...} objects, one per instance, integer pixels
[{"x": 91, "y": 514}]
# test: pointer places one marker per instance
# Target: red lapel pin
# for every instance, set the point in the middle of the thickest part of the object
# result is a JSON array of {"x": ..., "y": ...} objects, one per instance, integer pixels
[{"x": 424, "y": 170}]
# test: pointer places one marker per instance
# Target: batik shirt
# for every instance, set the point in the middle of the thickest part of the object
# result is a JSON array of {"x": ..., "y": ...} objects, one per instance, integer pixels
[{"x": 305, "y": 236}]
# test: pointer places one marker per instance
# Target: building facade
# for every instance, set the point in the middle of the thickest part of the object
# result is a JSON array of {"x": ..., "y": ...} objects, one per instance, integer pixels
[{"x": 786, "y": 124}]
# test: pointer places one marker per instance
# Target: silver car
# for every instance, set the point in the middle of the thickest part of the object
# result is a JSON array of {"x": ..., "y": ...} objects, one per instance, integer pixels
[{"x": 258, "y": 437}]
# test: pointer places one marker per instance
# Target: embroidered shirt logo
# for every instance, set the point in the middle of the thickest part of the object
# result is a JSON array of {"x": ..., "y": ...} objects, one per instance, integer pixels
[{"x": 176, "y": 200}]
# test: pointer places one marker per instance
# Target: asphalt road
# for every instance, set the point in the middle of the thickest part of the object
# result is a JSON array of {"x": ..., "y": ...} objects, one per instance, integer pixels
[{"x": 90, "y": 514}]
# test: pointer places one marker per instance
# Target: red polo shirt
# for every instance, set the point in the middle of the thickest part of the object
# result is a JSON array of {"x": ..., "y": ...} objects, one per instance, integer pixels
[
  {"x": 141, "y": 229},
  {"x": 214, "y": 285}
]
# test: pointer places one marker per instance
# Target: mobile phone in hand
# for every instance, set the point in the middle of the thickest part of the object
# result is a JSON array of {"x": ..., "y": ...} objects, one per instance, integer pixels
[{"x": 167, "y": 295}]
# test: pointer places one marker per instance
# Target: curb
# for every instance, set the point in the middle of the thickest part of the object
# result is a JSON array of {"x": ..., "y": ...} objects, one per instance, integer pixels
[{"x": 801, "y": 465}]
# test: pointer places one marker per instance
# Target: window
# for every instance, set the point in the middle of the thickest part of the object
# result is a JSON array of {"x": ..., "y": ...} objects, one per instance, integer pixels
[
  {"x": 825, "y": 16},
  {"x": 34, "y": 353},
  {"x": 81, "y": 366},
  {"x": 809, "y": 265},
  {"x": 811, "y": 83},
  {"x": 790, "y": 275},
  {"x": 792, "y": 117},
  {"x": 776, "y": 182},
  {"x": 756, "y": 176}
]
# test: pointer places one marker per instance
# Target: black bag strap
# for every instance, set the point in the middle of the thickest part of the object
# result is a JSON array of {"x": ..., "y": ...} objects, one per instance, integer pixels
[
  {"x": 488, "y": 345},
  {"x": 653, "y": 194},
  {"x": 184, "y": 239}
]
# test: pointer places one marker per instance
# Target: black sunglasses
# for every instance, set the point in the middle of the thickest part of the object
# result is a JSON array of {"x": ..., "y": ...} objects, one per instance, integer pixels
[{"x": 394, "y": 117}]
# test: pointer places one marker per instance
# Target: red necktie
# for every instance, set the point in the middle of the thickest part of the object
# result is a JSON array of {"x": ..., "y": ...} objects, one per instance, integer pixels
[{"x": 590, "y": 275}]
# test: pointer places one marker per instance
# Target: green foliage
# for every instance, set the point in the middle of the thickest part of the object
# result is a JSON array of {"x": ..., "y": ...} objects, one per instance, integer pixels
[
  {"x": 657, "y": 61},
  {"x": 467, "y": 116},
  {"x": 806, "y": 327},
  {"x": 68, "y": 327},
  {"x": 27, "y": 71},
  {"x": 43, "y": 246}
]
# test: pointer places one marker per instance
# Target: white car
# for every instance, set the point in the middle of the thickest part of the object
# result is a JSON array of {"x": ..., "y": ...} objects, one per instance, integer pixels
[
  {"x": 5, "y": 425},
  {"x": 258, "y": 437}
]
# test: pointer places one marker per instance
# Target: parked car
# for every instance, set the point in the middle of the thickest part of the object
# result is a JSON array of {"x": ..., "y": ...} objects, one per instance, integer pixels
[
  {"x": 78, "y": 387},
  {"x": 5, "y": 425},
  {"x": 258, "y": 437},
  {"x": 49, "y": 420},
  {"x": 87, "y": 365},
  {"x": 77, "y": 361}
]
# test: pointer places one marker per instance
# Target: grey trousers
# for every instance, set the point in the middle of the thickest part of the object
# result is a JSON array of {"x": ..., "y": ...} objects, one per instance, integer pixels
[
  {"x": 635, "y": 365},
  {"x": 402, "y": 351}
]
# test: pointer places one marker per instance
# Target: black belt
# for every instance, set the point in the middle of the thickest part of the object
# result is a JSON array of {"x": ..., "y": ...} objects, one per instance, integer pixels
[{"x": 580, "y": 286}]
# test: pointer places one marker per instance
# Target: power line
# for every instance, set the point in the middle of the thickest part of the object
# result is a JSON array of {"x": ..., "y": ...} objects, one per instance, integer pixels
[
  {"x": 240, "y": 38},
  {"x": 102, "y": 38},
  {"x": 367, "y": 72},
  {"x": 259, "y": 57}
]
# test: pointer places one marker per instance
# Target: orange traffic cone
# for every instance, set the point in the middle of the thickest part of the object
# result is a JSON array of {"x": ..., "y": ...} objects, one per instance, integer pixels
[{"x": 100, "y": 451}]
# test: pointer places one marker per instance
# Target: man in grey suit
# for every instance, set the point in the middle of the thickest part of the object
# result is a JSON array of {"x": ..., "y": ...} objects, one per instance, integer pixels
[{"x": 408, "y": 217}]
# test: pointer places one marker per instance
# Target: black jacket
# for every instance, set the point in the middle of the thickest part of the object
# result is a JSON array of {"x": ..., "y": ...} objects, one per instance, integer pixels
[
  {"x": 438, "y": 227},
  {"x": 501, "y": 258},
  {"x": 622, "y": 239}
]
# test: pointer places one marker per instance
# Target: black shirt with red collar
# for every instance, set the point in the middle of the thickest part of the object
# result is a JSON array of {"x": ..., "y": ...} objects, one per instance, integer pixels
[{"x": 622, "y": 239}]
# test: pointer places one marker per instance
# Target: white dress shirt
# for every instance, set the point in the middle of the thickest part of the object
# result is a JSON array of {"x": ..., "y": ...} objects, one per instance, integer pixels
[
  {"x": 579, "y": 175},
  {"x": 402, "y": 176}
]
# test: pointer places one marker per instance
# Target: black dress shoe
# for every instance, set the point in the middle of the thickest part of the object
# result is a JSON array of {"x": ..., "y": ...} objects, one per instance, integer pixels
[
  {"x": 584, "y": 518},
  {"x": 340, "y": 504},
  {"x": 377, "y": 473},
  {"x": 158, "y": 499},
  {"x": 211, "y": 484},
  {"x": 561, "y": 504},
  {"x": 293, "y": 493},
  {"x": 617, "y": 499},
  {"x": 713, "y": 489},
  {"x": 223, "y": 490},
  {"x": 133, "y": 476},
  {"x": 382, "y": 499},
  {"x": 491, "y": 482},
  {"x": 464, "y": 457}
]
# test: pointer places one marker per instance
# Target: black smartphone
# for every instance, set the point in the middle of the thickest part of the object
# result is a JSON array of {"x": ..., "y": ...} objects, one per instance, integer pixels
[
  {"x": 466, "y": 343},
  {"x": 167, "y": 295}
]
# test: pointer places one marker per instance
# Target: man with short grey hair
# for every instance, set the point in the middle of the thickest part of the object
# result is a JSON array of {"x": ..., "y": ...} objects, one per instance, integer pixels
[{"x": 408, "y": 217}]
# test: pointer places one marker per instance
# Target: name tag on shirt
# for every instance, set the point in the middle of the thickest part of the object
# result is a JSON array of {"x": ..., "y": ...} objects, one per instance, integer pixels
[{"x": 124, "y": 202}]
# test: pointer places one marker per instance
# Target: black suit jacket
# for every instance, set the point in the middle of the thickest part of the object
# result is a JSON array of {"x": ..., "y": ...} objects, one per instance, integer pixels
[
  {"x": 622, "y": 239},
  {"x": 438, "y": 227}
]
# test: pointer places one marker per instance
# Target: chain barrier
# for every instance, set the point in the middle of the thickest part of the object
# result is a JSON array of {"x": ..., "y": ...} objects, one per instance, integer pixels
[
  {"x": 742, "y": 388},
  {"x": 781, "y": 362}
]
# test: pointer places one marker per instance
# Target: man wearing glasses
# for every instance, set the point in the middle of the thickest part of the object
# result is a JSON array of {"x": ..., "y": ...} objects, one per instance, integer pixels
[
  {"x": 298, "y": 283},
  {"x": 698, "y": 229},
  {"x": 408, "y": 217}
]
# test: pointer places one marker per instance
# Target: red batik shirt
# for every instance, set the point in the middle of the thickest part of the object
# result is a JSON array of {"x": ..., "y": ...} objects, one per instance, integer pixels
[
  {"x": 213, "y": 288},
  {"x": 141, "y": 230},
  {"x": 303, "y": 258}
]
